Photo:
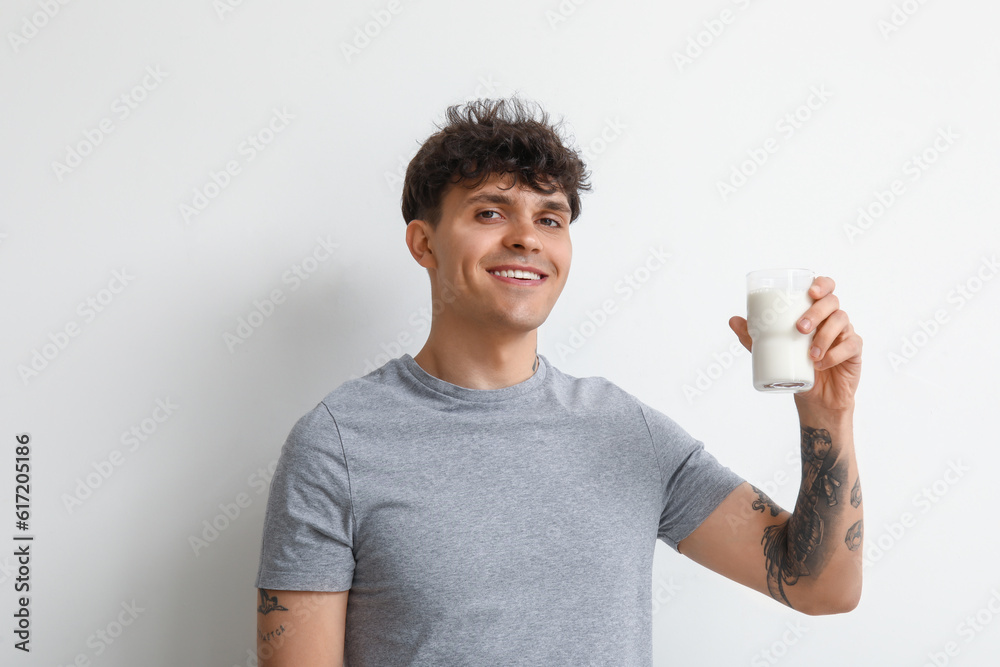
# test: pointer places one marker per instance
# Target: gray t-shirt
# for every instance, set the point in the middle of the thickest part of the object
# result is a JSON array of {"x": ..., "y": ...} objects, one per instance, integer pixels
[{"x": 510, "y": 526}]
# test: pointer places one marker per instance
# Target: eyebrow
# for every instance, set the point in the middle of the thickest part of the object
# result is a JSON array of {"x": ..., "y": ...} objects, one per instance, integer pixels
[{"x": 507, "y": 200}]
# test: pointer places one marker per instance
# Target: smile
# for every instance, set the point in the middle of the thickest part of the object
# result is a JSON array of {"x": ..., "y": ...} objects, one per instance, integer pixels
[{"x": 518, "y": 277}]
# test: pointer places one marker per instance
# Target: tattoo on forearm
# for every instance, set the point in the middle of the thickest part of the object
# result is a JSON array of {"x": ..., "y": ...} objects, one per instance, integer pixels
[
  {"x": 829, "y": 484},
  {"x": 856, "y": 493},
  {"x": 774, "y": 540},
  {"x": 795, "y": 548},
  {"x": 855, "y": 534},
  {"x": 269, "y": 603},
  {"x": 763, "y": 502}
]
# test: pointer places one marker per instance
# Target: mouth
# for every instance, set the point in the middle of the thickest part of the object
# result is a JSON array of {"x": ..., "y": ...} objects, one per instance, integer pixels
[{"x": 518, "y": 275}]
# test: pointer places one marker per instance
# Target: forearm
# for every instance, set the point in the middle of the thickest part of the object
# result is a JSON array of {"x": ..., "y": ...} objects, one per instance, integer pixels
[{"x": 814, "y": 559}]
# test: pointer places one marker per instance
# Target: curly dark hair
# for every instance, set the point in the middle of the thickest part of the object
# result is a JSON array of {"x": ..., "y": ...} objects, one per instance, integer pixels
[{"x": 487, "y": 137}]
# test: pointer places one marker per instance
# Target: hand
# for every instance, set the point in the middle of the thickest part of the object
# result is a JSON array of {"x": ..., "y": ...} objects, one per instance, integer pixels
[{"x": 836, "y": 350}]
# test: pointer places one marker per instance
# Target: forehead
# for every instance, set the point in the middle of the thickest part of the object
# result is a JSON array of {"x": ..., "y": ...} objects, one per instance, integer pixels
[{"x": 497, "y": 190}]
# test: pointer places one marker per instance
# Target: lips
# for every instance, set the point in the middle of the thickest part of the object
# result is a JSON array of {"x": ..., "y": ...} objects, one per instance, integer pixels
[
  {"x": 518, "y": 267},
  {"x": 519, "y": 277}
]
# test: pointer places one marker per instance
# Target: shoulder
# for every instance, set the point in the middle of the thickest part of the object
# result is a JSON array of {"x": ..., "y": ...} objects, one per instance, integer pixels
[
  {"x": 319, "y": 427},
  {"x": 368, "y": 392},
  {"x": 593, "y": 392},
  {"x": 600, "y": 393}
]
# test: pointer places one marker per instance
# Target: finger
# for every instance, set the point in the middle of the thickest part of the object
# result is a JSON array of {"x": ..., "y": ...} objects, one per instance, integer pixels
[
  {"x": 849, "y": 349},
  {"x": 832, "y": 328},
  {"x": 816, "y": 313},
  {"x": 739, "y": 326},
  {"x": 821, "y": 286}
]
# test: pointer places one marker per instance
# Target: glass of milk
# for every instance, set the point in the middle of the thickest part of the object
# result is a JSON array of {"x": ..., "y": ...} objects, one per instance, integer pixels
[{"x": 776, "y": 301}]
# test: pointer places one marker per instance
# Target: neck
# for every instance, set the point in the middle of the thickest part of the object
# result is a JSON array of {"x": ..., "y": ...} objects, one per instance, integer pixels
[{"x": 480, "y": 361}]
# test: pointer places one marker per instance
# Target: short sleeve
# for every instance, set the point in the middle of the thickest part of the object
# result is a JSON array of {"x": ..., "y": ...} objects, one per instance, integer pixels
[
  {"x": 694, "y": 482},
  {"x": 308, "y": 540}
]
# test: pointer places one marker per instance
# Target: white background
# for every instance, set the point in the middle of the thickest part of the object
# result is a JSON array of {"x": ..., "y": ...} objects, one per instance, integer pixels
[{"x": 660, "y": 134}]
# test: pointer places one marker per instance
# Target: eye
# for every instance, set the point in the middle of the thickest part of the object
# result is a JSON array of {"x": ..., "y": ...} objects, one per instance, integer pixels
[
  {"x": 497, "y": 213},
  {"x": 557, "y": 223}
]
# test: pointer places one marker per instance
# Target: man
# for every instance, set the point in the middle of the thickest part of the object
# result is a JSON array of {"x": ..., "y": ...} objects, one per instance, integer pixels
[{"x": 473, "y": 505}]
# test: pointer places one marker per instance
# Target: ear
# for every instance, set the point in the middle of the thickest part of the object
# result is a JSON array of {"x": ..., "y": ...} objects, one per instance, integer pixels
[{"x": 419, "y": 239}]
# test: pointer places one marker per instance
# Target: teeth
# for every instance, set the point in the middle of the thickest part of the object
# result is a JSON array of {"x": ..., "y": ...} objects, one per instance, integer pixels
[{"x": 524, "y": 275}]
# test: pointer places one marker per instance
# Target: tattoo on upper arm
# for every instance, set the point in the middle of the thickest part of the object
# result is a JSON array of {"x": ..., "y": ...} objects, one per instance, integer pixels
[
  {"x": 854, "y": 535},
  {"x": 795, "y": 548},
  {"x": 856, "y": 493},
  {"x": 269, "y": 603},
  {"x": 763, "y": 503},
  {"x": 273, "y": 634}
]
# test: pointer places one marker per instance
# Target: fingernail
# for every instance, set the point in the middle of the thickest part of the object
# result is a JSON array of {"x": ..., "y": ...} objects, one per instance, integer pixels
[
  {"x": 805, "y": 323},
  {"x": 814, "y": 351}
]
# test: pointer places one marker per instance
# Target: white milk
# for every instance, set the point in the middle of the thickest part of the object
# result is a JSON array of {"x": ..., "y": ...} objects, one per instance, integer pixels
[{"x": 780, "y": 353}]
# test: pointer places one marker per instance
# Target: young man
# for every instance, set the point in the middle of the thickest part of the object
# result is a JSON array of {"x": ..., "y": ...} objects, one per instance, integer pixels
[{"x": 473, "y": 505}]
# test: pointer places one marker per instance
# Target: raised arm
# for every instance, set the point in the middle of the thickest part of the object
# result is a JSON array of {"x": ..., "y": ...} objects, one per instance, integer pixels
[
  {"x": 296, "y": 628},
  {"x": 810, "y": 559}
]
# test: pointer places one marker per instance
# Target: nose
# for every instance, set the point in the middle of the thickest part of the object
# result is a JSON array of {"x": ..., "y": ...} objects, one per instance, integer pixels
[{"x": 522, "y": 235}]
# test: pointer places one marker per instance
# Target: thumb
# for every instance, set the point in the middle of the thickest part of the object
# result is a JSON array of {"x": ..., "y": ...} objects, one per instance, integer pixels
[{"x": 739, "y": 326}]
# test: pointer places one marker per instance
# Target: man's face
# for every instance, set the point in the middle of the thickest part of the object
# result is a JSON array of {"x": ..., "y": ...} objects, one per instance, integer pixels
[{"x": 490, "y": 228}]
